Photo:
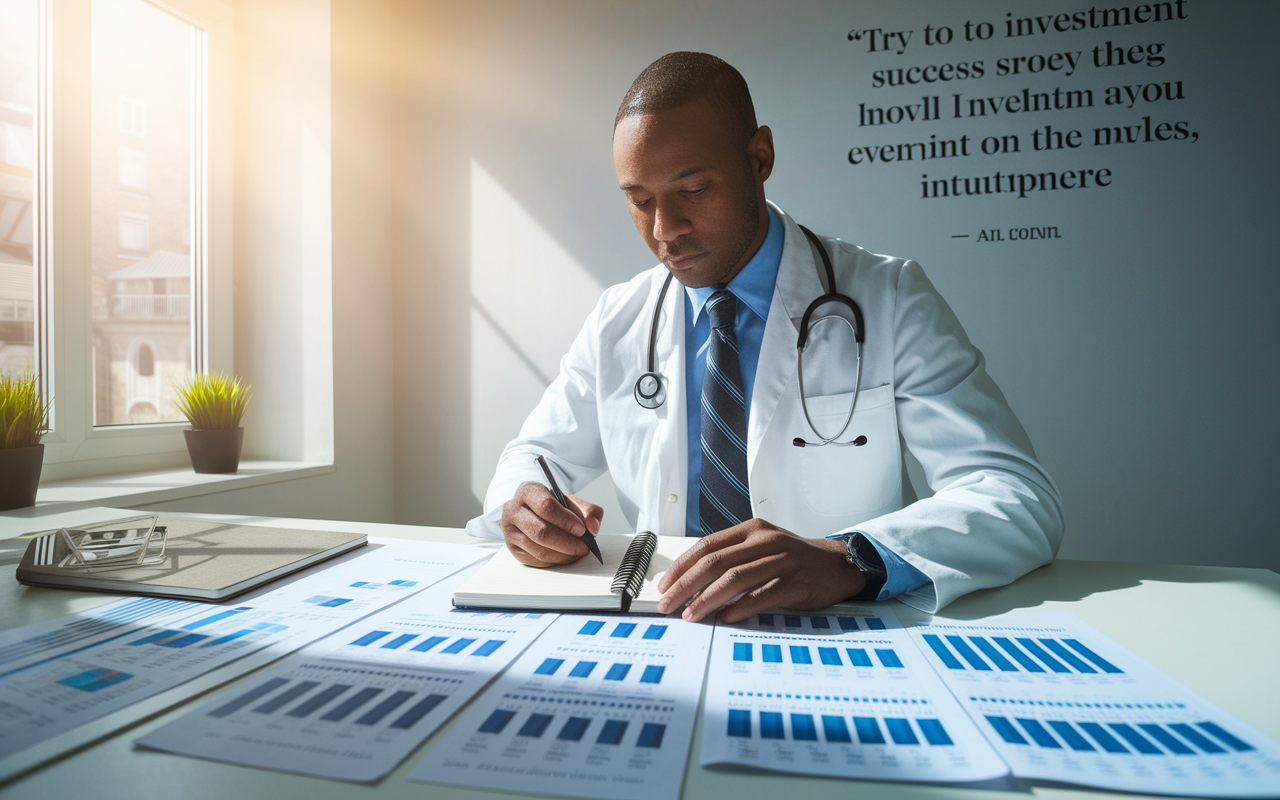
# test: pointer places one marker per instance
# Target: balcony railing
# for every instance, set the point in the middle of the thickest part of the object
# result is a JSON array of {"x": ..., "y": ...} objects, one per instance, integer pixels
[{"x": 151, "y": 306}]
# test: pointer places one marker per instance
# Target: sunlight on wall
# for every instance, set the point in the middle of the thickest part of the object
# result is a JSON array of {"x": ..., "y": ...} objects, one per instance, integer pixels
[{"x": 529, "y": 297}]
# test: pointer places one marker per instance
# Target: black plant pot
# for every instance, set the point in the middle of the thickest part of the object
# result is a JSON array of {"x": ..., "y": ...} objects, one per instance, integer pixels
[
  {"x": 215, "y": 451},
  {"x": 20, "y": 475}
]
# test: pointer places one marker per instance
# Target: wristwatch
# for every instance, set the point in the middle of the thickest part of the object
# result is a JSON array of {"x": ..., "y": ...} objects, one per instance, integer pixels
[{"x": 864, "y": 555}]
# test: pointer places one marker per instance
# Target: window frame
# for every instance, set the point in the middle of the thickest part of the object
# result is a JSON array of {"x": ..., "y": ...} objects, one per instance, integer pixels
[{"x": 64, "y": 330}]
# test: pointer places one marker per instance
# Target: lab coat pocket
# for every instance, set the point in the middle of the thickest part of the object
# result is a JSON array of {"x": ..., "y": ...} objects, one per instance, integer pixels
[{"x": 844, "y": 481}]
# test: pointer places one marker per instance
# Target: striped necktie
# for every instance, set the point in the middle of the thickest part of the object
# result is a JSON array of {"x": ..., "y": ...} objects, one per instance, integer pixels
[{"x": 724, "y": 498}]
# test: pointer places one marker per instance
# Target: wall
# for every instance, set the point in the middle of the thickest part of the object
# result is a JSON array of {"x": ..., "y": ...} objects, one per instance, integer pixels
[
  {"x": 313, "y": 249},
  {"x": 1136, "y": 347}
]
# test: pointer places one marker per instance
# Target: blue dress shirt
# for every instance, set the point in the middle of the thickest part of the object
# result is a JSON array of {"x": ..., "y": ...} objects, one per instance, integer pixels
[{"x": 753, "y": 287}]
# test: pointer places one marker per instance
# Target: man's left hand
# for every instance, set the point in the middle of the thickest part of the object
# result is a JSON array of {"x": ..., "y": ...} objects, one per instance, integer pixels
[{"x": 767, "y": 566}]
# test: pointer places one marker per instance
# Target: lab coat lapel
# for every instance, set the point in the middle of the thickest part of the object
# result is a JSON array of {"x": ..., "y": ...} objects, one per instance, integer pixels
[
  {"x": 797, "y": 286},
  {"x": 673, "y": 467}
]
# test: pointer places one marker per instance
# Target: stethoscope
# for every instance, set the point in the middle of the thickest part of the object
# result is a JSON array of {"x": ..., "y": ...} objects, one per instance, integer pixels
[{"x": 651, "y": 388}]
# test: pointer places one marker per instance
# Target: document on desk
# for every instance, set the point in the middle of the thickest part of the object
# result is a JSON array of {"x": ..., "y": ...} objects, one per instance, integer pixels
[
  {"x": 598, "y": 706},
  {"x": 161, "y": 647},
  {"x": 354, "y": 704},
  {"x": 843, "y": 695},
  {"x": 1060, "y": 701}
]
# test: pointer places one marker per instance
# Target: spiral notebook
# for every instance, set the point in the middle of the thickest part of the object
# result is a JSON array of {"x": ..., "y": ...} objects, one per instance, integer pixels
[{"x": 627, "y": 580}]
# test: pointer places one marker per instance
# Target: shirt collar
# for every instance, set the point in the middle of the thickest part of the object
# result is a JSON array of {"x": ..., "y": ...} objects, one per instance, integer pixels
[{"x": 754, "y": 283}]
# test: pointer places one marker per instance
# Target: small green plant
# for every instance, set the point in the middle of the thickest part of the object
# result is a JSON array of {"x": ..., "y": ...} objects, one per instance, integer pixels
[
  {"x": 24, "y": 413},
  {"x": 213, "y": 401}
]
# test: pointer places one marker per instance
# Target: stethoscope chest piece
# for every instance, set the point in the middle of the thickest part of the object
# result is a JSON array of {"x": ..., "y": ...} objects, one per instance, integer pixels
[{"x": 651, "y": 390}]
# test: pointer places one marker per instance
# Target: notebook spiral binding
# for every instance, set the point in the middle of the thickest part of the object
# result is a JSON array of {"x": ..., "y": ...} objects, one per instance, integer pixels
[{"x": 629, "y": 578}]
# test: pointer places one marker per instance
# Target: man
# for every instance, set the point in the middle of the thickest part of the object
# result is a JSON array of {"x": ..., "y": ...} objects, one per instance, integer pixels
[{"x": 782, "y": 525}]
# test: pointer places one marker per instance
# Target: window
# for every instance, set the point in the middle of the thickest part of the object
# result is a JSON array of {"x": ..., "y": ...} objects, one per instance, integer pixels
[
  {"x": 113, "y": 306},
  {"x": 133, "y": 113}
]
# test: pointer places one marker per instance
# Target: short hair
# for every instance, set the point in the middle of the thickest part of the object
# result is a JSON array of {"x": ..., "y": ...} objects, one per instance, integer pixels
[{"x": 680, "y": 78}]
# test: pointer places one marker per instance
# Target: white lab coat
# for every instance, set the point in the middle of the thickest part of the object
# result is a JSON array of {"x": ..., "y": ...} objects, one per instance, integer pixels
[{"x": 995, "y": 515}]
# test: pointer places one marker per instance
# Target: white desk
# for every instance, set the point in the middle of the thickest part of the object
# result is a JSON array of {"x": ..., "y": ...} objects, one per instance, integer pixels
[{"x": 1150, "y": 609}]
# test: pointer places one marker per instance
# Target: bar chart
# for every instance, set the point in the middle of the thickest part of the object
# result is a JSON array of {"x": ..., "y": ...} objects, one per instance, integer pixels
[
  {"x": 605, "y": 704},
  {"x": 1060, "y": 701},
  {"x": 813, "y": 695},
  {"x": 354, "y": 704}
]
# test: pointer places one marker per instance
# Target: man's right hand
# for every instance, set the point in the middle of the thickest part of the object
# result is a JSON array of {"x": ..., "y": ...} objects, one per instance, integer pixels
[{"x": 541, "y": 533}]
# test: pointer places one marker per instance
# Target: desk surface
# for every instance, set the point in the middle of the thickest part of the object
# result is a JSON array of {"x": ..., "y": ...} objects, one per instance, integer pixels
[{"x": 1158, "y": 612}]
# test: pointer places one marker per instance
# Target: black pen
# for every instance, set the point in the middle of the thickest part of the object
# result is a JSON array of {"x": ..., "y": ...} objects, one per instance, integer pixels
[{"x": 587, "y": 538}]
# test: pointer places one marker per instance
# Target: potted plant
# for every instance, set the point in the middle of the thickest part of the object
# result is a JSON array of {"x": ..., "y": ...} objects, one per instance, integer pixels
[
  {"x": 213, "y": 403},
  {"x": 24, "y": 418}
]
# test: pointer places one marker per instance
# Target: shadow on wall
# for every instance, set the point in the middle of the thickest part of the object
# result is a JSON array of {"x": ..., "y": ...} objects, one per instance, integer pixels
[{"x": 528, "y": 298}]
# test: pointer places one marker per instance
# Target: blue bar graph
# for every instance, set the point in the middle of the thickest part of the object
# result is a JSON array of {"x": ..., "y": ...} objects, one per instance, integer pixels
[
  {"x": 820, "y": 623},
  {"x": 334, "y": 602},
  {"x": 1006, "y": 730},
  {"x": 1171, "y": 743},
  {"x": 966, "y": 652},
  {"x": 1231, "y": 741},
  {"x": 591, "y": 628},
  {"x": 652, "y": 674},
  {"x": 95, "y": 680},
  {"x": 1071, "y": 736},
  {"x": 423, "y": 707},
  {"x": 230, "y": 637},
  {"x": 622, "y": 630},
  {"x": 766, "y": 619},
  {"x": 375, "y": 714},
  {"x": 933, "y": 732},
  {"x": 771, "y": 653},
  {"x": 1139, "y": 742},
  {"x": 655, "y": 632},
  {"x": 1067, "y": 656},
  {"x": 185, "y": 641},
  {"x": 835, "y": 729},
  {"x": 617, "y": 672},
  {"x": 489, "y": 648},
  {"x": 740, "y": 723},
  {"x": 989, "y": 650},
  {"x": 1038, "y": 733},
  {"x": 548, "y": 666},
  {"x": 427, "y": 644},
  {"x": 771, "y": 725},
  {"x": 574, "y": 728},
  {"x": 344, "y": 709},
  {"x": 848, "y": 623},
  {"x": 1019, "y": 656},
  {"x": 1100, "y": 735},
  {"x": 612, "y": 732},
  {"x": 582, "y": 669},
  {"x": 651, "y": 735},
  {"x": 875, "y": 624},
  {"x": 889, "y": 658},
  {"x": 868, "y": 730},
  {"x": 742, "y": 651},
  {"x": 458, "y": 646},
  {"x": 802, "y": 728},
  {"x": 800, "y": 654},
  {"x": 900, "y": 731},
  {"x": 200, "y": 623},
  {"x": 284, "y": 698},
  {"x": 155, "y": 638},
  {"x": 535, "y": 725},
  {"x": 496, "y": 721},
  {"x": 313, "y": 704},
  {"x": 1080, "y": 648},
  {"x": 830, "y": 656},
  {"x": 370, "y": 638},
  {"x": 1198, "y": 739},
  {"x": 1037, "y": 651},
  {"x": 792, "y": 621},
  {"x": 942, "y": 651},
  {"x": 858, "y": 657},
  {"x": 400, "y": 641}
]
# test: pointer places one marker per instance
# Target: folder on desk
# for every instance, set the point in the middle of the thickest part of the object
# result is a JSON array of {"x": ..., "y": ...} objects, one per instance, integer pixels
[{"x": 202, "y": 560}]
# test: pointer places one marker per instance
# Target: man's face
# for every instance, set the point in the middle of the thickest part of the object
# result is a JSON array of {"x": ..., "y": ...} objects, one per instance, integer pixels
[{"x": 695, "y": 189}]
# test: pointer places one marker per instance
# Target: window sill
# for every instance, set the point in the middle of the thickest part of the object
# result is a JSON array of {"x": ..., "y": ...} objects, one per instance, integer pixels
[{"x": 124, "y": 490}]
